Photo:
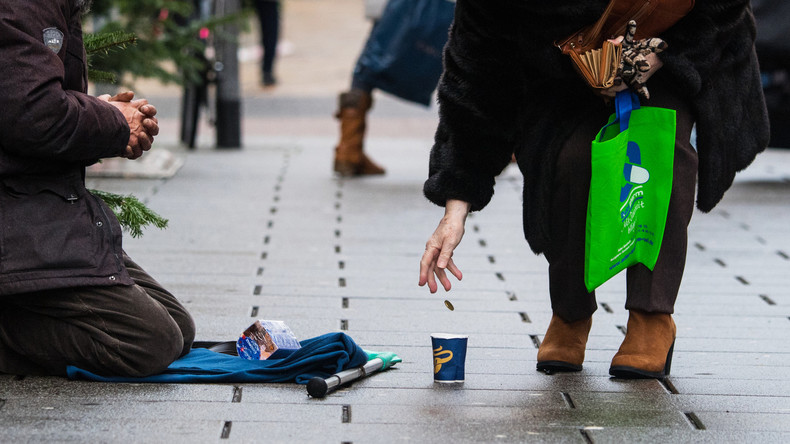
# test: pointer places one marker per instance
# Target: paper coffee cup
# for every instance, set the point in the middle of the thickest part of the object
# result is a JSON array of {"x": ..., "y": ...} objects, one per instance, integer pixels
[{"x": 449, "y": 357}]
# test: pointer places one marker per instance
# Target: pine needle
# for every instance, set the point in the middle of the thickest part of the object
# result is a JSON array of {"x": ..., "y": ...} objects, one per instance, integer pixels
[{"x": 131, "y": 213}]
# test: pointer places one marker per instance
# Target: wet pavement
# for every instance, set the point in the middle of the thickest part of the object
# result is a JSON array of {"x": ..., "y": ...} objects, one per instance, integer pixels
[{"x": 268, "y": 232}]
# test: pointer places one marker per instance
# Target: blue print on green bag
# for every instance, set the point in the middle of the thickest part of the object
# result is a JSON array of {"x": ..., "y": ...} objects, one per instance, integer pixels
[{"x": 634, "y": 174}]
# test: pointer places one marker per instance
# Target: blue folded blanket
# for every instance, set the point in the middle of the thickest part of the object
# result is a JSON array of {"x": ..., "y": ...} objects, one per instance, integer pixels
[{"x": 321, "y": 356}]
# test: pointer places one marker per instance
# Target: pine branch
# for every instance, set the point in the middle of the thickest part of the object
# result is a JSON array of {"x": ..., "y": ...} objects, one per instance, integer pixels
[
  {"x": 131, "y": 213},
  {"x": 101, "y": 76},
  {"x": 106, "y": 41}
]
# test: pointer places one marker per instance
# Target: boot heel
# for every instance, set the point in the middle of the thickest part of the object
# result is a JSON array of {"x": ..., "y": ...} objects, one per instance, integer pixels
[
  {"x": 345, "y": 169},
  {"x": 668, "y": 364}
]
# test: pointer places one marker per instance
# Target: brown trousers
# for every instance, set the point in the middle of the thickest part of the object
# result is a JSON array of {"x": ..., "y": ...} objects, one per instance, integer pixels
[
  {"x": 134, "y": 330},
  {"x": 654, "y": 291}
]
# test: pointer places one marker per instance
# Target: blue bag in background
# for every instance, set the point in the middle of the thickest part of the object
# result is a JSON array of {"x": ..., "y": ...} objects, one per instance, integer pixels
[{"x": 403, "y": 55}]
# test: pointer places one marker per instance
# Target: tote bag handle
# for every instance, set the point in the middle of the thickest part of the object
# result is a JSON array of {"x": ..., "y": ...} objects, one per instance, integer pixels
[{"x": 625, "y": 102}]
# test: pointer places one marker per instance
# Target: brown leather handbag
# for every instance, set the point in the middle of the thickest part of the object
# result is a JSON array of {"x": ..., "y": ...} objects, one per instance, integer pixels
[{"x": 596, "y": 58}]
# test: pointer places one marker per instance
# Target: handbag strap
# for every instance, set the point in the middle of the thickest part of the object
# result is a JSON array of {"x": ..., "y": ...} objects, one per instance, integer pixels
[{"x": 624, "y": 102}]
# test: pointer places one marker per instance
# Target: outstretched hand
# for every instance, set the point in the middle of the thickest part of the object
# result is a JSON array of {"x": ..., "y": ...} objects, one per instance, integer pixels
[
  {"x": 438, "y": 255},
  {"x": 140, "y": 115}
]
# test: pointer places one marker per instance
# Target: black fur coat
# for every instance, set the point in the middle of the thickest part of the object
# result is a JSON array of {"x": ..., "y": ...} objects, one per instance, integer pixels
[{"x": 507, "y": 89}]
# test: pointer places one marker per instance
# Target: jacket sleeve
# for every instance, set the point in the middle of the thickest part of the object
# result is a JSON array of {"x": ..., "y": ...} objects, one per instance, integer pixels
[
  {"x": 711, "y": 57},
  {"x": 480, "y": 98},
  {"x": 41, "y": 118}
]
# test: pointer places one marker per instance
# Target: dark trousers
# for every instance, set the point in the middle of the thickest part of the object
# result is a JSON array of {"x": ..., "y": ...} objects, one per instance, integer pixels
[
  {"x": 654, "y": 291},
  {"x": 134, "y": 330},
  {"x": 269, "y": 17}
]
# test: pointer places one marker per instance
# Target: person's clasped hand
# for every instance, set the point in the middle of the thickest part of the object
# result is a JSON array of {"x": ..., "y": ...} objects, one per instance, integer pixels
[
  {"x": 639, "y": 61},
  {"x": 143, "y": 125}
]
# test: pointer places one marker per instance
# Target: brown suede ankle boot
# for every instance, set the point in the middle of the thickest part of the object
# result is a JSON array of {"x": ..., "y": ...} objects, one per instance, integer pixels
[
  {"x": 646, "y": 351},
  {"x": 562, "y": 348},
  {"x": 350, "y": 160}
]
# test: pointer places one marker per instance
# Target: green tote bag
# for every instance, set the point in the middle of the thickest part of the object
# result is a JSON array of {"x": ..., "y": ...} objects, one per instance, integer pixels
[{"x": 631, "y": 183}]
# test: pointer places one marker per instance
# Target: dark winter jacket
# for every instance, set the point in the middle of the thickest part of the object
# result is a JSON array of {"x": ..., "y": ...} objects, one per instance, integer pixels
[
  {"x": 507, "y": 89},
  {"x": 53, "y": 233}
]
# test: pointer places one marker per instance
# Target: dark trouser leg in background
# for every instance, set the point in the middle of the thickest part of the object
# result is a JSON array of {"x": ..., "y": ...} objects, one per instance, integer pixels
[
  {"x": 134, "y": 330},
  {"x": 269, "y": 17}
]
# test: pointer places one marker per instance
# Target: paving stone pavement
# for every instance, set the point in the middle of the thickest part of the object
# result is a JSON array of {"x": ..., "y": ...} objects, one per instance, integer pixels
[{"x": 268, "y": 232}]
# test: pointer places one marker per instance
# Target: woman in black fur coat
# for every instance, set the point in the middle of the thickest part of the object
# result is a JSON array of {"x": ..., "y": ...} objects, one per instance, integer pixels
[{"x": 507, "y": 89}]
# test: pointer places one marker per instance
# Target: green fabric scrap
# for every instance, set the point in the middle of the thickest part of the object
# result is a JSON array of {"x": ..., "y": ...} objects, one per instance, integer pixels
[{"x": 389, "y": 358}]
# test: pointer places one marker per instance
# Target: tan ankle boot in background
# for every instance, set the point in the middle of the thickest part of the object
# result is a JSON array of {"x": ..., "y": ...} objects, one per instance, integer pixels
[
  {"x": 647, "y": 349},
  {"x": 562, "y": 348},
  {"x": 350, "y": 160}
]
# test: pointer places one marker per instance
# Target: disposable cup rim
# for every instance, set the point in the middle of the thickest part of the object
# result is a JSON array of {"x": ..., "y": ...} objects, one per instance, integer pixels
[{"x": 448, "y": 336}]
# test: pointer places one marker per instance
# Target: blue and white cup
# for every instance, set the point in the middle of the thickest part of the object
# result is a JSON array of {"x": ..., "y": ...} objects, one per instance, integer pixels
[{"x": 449, "y": 357}]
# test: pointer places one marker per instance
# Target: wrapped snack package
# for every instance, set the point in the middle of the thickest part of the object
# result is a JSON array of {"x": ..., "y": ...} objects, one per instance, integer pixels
[{"x": 267, "y": 339}]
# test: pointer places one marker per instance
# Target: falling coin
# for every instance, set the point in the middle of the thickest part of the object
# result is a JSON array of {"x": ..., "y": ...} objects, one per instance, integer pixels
[{"x": 449, "y": 305}]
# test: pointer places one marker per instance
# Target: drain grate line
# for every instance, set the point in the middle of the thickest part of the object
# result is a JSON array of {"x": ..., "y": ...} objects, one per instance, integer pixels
[
  {"x": 535, "y": 340},
  {"x": 345, "y": 303},
  {"x": 346, "y": 415},
  {"x": 606, "y": 307},
  {"x": 586, "y": 436},
  {"x": 257, "y": 290},
  {"x": 254, "y": 311},
  {"x": 568, "y": 400},
  {"x": 225, "y": 434},
  {"x": 524, "y": 317},
  {"x": 344, "y": 324},
  {"x": 669, "y": 386},
  {"x": 767, "y": 300},
  {"x": 236, "y": 394},
  {"x": 694, "y": 420}
]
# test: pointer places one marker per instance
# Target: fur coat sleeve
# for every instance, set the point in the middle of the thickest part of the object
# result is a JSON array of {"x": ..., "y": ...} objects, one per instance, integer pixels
[
  {"x": 481, "y": 96},
  {"x": 712, "y": 60}
]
